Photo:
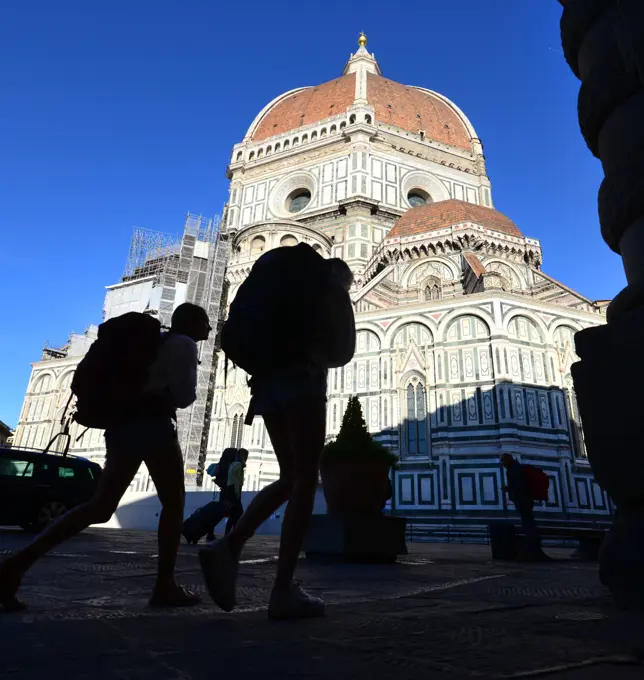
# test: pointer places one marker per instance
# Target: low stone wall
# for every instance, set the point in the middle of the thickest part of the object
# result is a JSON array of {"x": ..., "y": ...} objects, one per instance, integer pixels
[{"x": 140, "y": 510}]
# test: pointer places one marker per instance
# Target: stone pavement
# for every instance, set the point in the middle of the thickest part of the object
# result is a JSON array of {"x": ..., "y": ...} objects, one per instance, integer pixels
[{"x": 445, "y": 611}]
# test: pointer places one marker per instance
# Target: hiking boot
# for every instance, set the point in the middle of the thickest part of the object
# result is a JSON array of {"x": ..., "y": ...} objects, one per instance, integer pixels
[
  {"x": 294, "y": 603},
  {"x": 219, "y": 567}
]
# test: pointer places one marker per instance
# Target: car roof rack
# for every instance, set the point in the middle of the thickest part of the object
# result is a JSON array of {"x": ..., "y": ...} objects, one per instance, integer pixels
[{"x": 40, "y": 452}]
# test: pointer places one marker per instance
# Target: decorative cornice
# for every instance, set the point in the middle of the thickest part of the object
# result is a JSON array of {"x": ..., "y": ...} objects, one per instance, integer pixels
[{"x": 273, "y": 226}]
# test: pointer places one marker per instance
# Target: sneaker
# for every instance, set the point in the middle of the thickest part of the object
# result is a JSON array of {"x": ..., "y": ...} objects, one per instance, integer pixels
[
  {"x": 294, "y": 603},
  {"x": 219, "y": 567}
]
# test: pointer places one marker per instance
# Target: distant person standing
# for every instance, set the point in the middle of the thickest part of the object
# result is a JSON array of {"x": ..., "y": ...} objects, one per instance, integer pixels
[
  {"x": 290, "y": 321},
  {"x": 520, "y": 490},
  {"x": 130, "y": 383}
]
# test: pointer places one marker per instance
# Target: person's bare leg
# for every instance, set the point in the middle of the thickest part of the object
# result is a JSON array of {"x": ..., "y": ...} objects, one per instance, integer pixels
[
  {"x": 306, "y": 425},
  {"x": 219, "y": 561},
  {"x": 271, "y": 497},
  {"x": 166, "y": 471},
  {"x": 118, "y": 473}
]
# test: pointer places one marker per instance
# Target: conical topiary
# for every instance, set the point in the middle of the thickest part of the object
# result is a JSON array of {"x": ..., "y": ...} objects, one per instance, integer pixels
[{"x": 354, "y": 440}]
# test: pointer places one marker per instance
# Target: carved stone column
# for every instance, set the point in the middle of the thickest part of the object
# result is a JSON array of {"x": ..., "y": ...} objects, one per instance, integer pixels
[{"x": 603, "y": 42}]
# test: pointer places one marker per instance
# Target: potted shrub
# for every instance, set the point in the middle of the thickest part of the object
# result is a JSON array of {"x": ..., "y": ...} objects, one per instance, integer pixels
[{"x": 355, "y": 468}]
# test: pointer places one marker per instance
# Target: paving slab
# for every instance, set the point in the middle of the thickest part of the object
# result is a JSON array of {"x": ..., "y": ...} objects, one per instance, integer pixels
[{"x": 445, "y": 610}]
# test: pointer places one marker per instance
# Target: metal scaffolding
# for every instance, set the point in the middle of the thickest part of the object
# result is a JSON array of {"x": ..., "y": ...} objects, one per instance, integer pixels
[
  {"x": 202, "y": 266},
  {"x": 198, "y": 260},
  {"x": 149, "y": 253}
]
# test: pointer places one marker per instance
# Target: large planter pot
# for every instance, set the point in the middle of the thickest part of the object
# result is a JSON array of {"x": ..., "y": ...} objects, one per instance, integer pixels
[{"x": 355, "y": 486}]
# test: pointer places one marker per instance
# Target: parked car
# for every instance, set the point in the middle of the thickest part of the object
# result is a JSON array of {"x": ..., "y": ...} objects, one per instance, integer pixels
[{"x": 36, "y": 488}]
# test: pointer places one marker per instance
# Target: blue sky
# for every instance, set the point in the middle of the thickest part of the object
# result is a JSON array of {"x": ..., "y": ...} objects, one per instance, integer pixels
[{"x": 119, "y": 113}]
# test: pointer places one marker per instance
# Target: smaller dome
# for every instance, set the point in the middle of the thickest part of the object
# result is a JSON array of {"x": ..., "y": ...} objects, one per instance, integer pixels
[{"x": 449, "y": 213}]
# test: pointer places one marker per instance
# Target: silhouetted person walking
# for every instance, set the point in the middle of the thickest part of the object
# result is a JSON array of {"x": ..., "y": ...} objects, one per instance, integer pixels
[
  {"x": 290, "y": 321},
  {"x": 131, "y": 382},
  {"x": 231, "y": 495},
  {"x": 219, "y": 473}
]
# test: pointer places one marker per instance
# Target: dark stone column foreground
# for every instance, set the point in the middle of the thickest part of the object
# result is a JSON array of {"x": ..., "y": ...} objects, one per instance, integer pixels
[{"x": 603, "y": 41}]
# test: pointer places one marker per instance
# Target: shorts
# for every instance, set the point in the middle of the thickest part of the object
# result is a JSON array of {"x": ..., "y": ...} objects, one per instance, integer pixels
[
  {"x": 286, "y": 387},
  {"x": 145, "y": 434}
]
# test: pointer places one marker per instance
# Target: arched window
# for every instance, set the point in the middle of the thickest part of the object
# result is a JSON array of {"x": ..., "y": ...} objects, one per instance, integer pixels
[
  {"x": 317, "y": 247},
  {"x": 251, "y": 155},
  {"x": 260, "y": 153},
  {"x": 352, "y": 119},
  {"x": 417, "y": 333},
  {"x": 286, "y": 144},
  {"x": 342, "y": 125},
  {"x": 277, "y": 147},
  {"x": 305, "y": 139},
  {"x": 296, "y": 141},
  {"x": 257, "y": 245},
  {"x": 64, "y": 386},
  {"x": 323, "y": 132},
  {"x": 367, "y": 119},
  {"x": 237, "y": 431},
  {"x": 333, "y": 129},
  {"x": 416, "y": 420},
  {"x": 288, "y": 240},
  {"x": 269, "y": 149},
  {"x": 524, "y": 329},
  {"x": 42, "y": 384},
  {"x": 367, "y": 341},
  {"x": 432, "y": 291},
  {"x": 239, "y": 155},
  {"x": 314, "y": 135}
]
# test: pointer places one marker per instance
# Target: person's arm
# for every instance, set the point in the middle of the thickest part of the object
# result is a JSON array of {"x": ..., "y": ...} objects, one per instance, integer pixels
[
  {"x": 180, "y": 353},
  {"x": 236, "y": 477}
]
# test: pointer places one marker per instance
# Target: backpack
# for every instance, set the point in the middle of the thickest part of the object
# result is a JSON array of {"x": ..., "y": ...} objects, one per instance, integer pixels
[
  {"x": 271, "y": 321},
  {"x": 110, "y": 379},
  {"x": 538, "y": 482},
  {"x": 226, "y": 460}
]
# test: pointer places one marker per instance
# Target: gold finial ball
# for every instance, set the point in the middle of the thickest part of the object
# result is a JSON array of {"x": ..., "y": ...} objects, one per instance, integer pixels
[{"x": 362, "y": 40}]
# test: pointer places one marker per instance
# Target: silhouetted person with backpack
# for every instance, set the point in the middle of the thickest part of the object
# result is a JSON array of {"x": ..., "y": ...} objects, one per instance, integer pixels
[
  {"x": 290, "y": 321},
  {"x": 131, "y": 382},
  {"x": 205, "y": 519},
  {"x": 231, "y": 495},
  {"x": 219, "y": 473}
]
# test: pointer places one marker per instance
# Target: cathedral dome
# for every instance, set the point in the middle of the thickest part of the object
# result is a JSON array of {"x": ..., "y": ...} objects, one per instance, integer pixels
[
  {"x": 304, "y": 106},
  {"x": 403, "y": 107},
  {"x": 452, "y": 212}
]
